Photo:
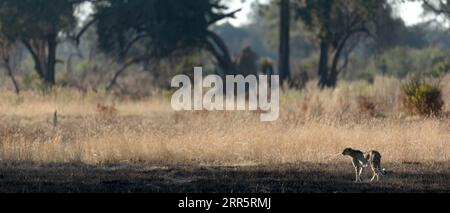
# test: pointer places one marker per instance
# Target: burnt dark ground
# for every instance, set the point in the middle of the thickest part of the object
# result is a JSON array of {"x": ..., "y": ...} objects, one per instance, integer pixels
[{"x": 289, "y": 178}]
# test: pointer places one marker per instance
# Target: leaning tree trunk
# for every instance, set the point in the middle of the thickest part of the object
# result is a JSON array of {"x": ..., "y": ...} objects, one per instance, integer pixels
[
  {"x": 13, "y": 79},
  {"x": 43, "y": 53},
  {"x": 121, "y": 70},
  {"x": 332, "y": 79},
  {"x": 217, "y": 47},
  {"x": 284, "y": 51}
]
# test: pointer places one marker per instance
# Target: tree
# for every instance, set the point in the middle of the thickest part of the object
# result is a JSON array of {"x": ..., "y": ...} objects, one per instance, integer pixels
[
  {"x": 39, "y": 25},
  {"x": 441, "y": 7},
  {"x": 7, "y": 52},
  {"x": 336, "y": 24},
  {"x": 135, "y": 31},
  {"x": 284, "y": 52},
  {"x": 268, "y": 20}
]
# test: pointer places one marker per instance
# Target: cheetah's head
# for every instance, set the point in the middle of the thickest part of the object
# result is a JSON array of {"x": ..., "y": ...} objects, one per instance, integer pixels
[{"x": 347, "y": 151}]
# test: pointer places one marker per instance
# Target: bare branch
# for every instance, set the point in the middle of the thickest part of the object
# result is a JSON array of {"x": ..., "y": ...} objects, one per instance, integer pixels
[
  {"x": 222, "y": 16},
  {"x": 83, "y": 30}
]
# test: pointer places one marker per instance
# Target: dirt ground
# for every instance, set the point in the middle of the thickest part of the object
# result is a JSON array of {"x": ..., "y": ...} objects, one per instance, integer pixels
[{"x": 293, "y": 178}]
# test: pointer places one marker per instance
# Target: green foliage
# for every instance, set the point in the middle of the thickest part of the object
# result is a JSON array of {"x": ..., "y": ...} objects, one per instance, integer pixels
[
  {"x": 33, "y": 19},
  {"x": 330, "y": 18},
  {"x": 422, "y": 98},
  {"x": 237, "y": 38},
  {"x": 404, "y": 61},
  {"x": 31, "y": 81},
  {"x": 440, "y": 68},
  {"x": 169, "y": 67},
  {"x": 160, "y": 27}
]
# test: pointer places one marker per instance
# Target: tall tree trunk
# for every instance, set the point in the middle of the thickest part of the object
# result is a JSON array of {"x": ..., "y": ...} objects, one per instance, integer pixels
[
  {"x": 284, "y": 51},
  {"x": 325, "y": 43},
  {"x": 13, "y": 79},
  {"x": 51, "y": 63},
  {"x": 38, "y": 66},
  {"x": 323, "y": 63}
]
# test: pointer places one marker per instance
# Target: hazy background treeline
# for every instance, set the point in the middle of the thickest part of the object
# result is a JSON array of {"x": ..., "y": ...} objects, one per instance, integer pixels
[{"x": 135, "y": 47}]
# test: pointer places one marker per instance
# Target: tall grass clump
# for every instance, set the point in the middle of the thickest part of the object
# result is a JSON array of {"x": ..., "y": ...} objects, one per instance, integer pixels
[{"x": 422, "y": 98}]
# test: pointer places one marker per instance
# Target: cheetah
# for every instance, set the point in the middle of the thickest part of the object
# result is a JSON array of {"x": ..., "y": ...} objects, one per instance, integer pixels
[{"x": 362, "y": 160}]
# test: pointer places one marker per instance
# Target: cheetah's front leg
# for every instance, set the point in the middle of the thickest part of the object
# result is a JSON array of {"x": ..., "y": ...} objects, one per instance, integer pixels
[{"x": 358, "y": 171}]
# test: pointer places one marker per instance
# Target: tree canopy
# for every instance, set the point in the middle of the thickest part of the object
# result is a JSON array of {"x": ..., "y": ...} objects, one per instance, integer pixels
[
  {"x": 38, "y": 24},
  {"x": 147, "y": 29},
  {"x": 336, "y": 24}
]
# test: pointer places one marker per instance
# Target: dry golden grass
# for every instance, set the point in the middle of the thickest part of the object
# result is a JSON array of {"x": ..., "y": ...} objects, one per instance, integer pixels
[{"x": 315, "y": 126}]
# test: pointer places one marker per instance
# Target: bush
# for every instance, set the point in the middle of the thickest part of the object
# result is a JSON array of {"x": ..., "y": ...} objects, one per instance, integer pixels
[
  {"x": 421, "y": 98},
  {"x": 401, "y": 62},
  {"x": 367, "y": 105}
]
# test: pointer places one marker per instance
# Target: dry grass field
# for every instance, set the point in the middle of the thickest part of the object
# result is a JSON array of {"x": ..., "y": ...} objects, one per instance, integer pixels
[{"x": 106, "y": 144}]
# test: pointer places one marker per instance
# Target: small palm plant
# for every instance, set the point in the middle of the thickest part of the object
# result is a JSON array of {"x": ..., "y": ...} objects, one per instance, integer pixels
[{"x": 422, "y": 98}]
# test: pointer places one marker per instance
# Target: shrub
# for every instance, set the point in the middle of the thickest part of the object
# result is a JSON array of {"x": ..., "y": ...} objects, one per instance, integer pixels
[
  {"x": 106, "y": 112},
  {"x": 367, "y": 105},
  {"x": 421, "y": 98}
]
